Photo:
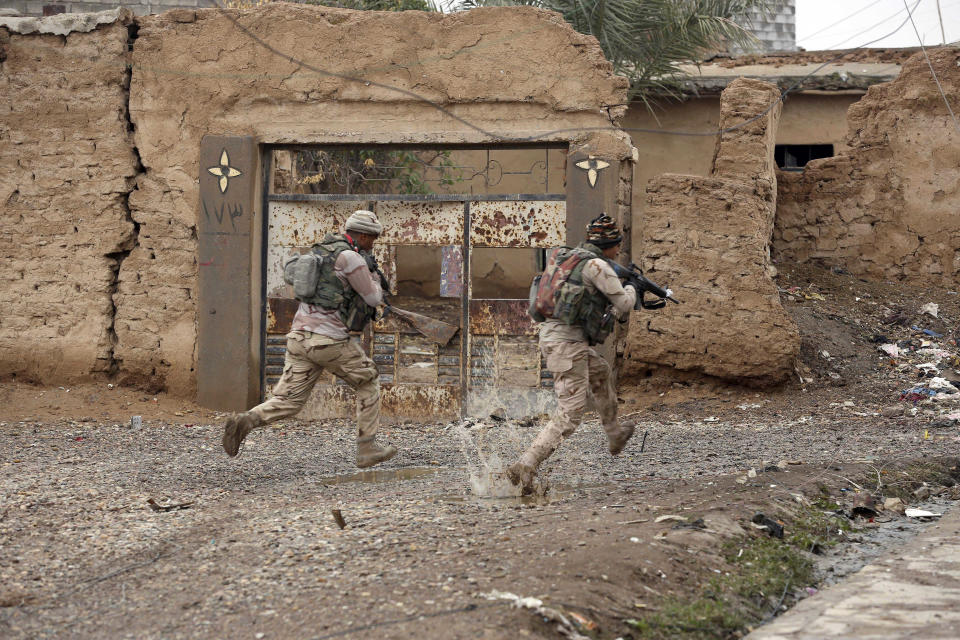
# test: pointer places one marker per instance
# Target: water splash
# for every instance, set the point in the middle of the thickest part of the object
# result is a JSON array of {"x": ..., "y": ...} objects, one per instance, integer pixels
[{"x": 488, "y": 448}]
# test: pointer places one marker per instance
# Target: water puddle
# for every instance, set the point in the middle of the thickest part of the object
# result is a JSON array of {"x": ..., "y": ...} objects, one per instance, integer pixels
[{"x": 384, "y": 475}]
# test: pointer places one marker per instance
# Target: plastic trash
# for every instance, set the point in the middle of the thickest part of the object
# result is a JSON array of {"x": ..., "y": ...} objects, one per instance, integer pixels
[
  {"x": 891, "y": 350},
  {"x": 916, "y": 394},
  {"x": 921, "y": 513},
  {"x": 931, "y": 308},
  {"x": 942, "y": 385}
]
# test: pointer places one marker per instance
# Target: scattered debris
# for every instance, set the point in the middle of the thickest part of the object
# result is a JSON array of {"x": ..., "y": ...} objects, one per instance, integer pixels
[
  {"x": 670, "y": 518},
  {"x": 563, "y": 625},
  {"x": 920, "y": 513},
  {"x": 338, "y": 518},
  {"x": 893, "y": 504},
  {"x": 168, "y": 507},
  {"x": 696, "y": 524},
  {"x": 774, "y": 528},
  {"x": 864, "y": 505},
  {"x": 931, "y": 309}
]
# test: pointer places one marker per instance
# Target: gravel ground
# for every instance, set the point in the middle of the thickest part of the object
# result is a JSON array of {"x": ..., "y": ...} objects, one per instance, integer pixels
[{"x": 256, "y": 550}]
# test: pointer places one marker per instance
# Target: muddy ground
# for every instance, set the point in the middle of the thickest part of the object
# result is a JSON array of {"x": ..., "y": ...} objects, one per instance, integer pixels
[{"x": 252, "y": 550}]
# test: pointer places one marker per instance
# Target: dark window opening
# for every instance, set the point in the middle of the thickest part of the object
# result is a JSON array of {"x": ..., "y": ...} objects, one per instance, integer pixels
[
  {"x": 793, "y": 157},
  {"x": 54, "y": 9}
]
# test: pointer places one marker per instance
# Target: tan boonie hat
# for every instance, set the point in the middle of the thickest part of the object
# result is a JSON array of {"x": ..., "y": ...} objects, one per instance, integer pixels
[{"x": 363, "y": 221}]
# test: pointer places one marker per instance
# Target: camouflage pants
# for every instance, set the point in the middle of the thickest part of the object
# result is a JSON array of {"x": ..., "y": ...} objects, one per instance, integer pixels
[
  {"x": 308, "y": 355},
  {"x": 578, "y": 373}
]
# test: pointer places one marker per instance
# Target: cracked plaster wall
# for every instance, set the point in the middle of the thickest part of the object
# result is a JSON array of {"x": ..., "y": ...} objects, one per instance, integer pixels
[
  {"x": 118, "y": 294},
  {"x": 887, "y": 206},
  {"x": 709, "y": 239},
  {"x": 511, "y": 71},
  {"x": 67, "y": 166}
]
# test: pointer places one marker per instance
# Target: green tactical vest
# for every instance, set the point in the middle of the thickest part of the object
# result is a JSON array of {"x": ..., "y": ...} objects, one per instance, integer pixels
[
  {"x": 575, "y": 305},
  {"x": 331, "y": 293}
]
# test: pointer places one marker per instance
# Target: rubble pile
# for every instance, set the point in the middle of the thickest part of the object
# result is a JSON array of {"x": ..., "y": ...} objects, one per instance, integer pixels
[{"x": 899, "y": 342}]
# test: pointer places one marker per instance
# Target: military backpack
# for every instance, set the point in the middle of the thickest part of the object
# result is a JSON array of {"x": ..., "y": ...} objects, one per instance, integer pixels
[
  {"x": 559, "y": 294},
  {"x": 315, "y": 282}
]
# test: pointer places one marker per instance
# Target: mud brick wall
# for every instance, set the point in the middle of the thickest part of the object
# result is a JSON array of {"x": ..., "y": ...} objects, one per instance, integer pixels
[
  {"x": 99, "y": 164},
  {"x": 66, "y": 166},
  {"x": 887, "y": 207},
  {"x": 708, "y": 238}
]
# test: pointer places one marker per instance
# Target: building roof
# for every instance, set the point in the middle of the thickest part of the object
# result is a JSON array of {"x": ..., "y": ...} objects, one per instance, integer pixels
[{"x": 854, "y": 71}]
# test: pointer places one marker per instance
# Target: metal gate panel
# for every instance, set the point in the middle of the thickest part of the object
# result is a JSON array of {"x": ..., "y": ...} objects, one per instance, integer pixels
[
  {"x": 417, "y": 377},
  {"x": 524, "y": 223},
  {"x": 505, "y": 367}
]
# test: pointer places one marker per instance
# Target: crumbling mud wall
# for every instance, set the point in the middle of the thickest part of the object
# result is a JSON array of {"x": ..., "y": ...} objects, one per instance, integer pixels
[
  {"x": 304, "y": 74},
  {"x": 887, "y": 206},
  {"x": 709, "y": 239},
  {"x": 100, "y": 142},
  {"x": 67, "y": 165}
]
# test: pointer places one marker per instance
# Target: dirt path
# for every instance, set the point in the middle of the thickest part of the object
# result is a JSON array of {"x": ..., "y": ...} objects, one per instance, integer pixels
[{"x": 257, "y": 551}]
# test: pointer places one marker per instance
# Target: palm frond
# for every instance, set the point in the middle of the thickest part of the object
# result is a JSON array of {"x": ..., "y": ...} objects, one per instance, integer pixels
[{"x": 647, "y": 40}]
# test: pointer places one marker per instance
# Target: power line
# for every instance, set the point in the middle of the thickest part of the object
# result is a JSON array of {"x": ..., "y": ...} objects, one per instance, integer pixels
[
  {"x": 868, "y": 29},
  {"x": 844, "y": 19},
  {"x": 943, "y": 33},
  {"x": 932, "y": 71}
]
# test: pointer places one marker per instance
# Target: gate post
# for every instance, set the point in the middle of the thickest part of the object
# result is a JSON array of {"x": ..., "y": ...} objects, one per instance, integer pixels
[
  {"x": 592, "y": 183},
  {"x": 226, "y": 376}
]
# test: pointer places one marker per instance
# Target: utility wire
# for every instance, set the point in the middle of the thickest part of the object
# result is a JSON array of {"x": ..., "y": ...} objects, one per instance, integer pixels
[
  {"x": 932, "y": 71},
  {"x": 943, "y": 34},
  {"x": 545, "y": 134},
  {"x": 867, "y": 30},
  {"x": 844, "y": 19}
]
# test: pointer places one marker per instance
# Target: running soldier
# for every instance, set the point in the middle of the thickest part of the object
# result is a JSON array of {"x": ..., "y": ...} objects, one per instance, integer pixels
[
  {"x": 341, "y": 295},
  {"x": 578, "y": 297}
]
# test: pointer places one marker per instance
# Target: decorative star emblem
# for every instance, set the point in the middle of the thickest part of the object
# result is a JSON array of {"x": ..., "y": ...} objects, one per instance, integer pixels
[
  {"x": 224, "y": 171},
  {"x": 591, "y": 165}
]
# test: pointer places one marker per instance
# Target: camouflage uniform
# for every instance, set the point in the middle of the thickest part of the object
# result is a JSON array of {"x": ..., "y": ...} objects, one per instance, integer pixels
[
  {"x": 578, "y": 370},
  {"x": 308, "y": 356},
  {"x": 320, "y": 341}
]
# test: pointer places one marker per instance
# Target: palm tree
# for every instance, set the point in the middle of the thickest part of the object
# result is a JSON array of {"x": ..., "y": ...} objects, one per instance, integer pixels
[{"x": 646, "y": 40}]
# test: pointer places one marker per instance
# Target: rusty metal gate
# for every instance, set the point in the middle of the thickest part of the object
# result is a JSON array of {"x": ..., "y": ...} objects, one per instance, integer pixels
[{"x": 495, "y": 364}]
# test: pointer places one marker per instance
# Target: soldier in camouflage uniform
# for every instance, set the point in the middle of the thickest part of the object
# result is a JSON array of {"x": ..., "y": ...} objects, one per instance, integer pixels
[
  {"x": 346, "y": 298},
  {"x": 588, "y": 299}
]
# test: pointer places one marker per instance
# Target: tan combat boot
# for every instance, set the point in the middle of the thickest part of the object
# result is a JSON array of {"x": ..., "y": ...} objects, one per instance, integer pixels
[
  {"x": 618, "y": 439},
  {"x": 521, "y": 475},
  {"x": 370, "y": 453},
  {"x": 236, "y": 429}
]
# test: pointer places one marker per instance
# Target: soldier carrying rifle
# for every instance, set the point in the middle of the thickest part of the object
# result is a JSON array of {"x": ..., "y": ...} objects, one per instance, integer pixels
[{"x": 577, "y": 298}]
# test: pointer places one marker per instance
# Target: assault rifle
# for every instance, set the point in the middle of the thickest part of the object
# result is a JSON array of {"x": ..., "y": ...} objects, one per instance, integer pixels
[{"x": 633, "y": 276}]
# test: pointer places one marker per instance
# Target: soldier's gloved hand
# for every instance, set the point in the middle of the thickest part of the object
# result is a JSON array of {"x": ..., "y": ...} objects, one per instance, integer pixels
[{"x": 629, "y": 288}]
